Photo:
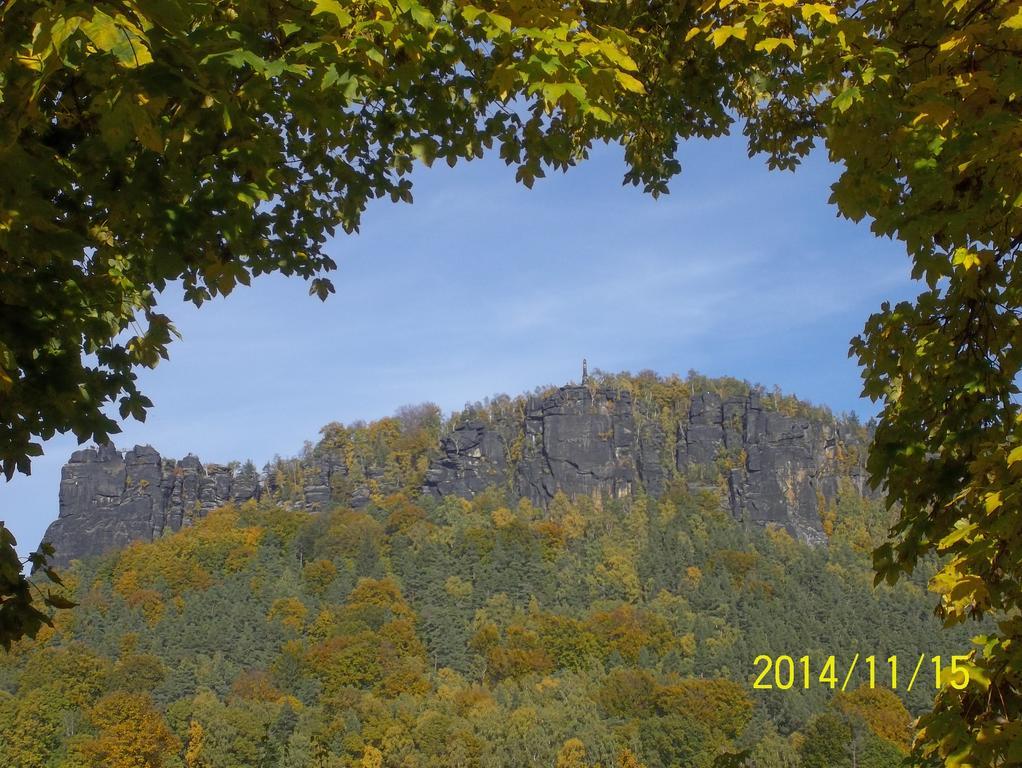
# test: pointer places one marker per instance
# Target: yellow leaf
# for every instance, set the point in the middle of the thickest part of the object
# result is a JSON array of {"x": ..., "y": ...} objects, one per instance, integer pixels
[
  {"x": 62, "y": 29},
  {"x": 471, "y": 12},
  {"x": 502, "y": 23},
  {"x": 32, "y": 62},
  {"x": 146, "y": 131},
  {"x": 993, "y": 502},
  {"x": 1013, "y": 22},
  {"x": 629, "y": 83},
  {"x": 953, "y": 42},
  {"x": 119, "y": 37},
  {"x": 768, "y": 44},
  {"x": 1015, "y": 456},
  {"x": 825, "y": 12},
  {"x": 978, "y": 674},
  {"x": 102, "y": 31},
  {"x": 960, "y": 532},
  {"x": 966, "y": 259},
  {"x": 620, "y": 58},
  {"x": 722, "y": 34}
]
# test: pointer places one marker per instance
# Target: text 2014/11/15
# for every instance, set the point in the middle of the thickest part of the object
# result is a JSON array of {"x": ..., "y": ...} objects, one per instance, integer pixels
[{"x": 785, "y": 672}]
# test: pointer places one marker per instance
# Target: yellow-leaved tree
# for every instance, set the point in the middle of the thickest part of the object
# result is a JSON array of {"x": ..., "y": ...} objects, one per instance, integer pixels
[{"x": 131, "y": 733}]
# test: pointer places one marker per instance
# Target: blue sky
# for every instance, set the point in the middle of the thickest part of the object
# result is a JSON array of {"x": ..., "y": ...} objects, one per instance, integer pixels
[{"x": 482, "y": 286}]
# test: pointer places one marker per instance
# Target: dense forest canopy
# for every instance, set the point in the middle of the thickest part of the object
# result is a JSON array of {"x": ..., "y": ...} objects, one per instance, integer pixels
[{"x": 418, "y": 632}]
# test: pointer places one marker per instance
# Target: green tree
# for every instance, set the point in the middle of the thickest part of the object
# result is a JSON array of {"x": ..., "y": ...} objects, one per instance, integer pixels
[{"x": 828, "y": 742}]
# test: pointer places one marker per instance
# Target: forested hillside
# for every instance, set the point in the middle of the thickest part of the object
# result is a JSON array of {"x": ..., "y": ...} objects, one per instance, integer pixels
[
  {"x": 772, "y": 459},
  {"x": 417, "y": 630}
]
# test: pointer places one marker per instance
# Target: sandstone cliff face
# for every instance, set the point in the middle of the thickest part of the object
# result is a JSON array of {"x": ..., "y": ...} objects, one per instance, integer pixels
[
  {"x": 577, "y": 440},
  {"x": 109, "y": 499},
  {"x": 785, "y": 467},
  {"x": 768, "y": 467},
  {"x": 776, "y": 469}
]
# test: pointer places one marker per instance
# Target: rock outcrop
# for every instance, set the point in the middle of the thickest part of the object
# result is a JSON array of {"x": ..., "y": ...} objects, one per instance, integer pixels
[
  {"x": 473, "y": 457},
  {"x": 775, "y": 468},
  {"x": 768, "y": 467},
  {"x": 109, "y": 499},
  {"x": 579, "y": 441}
]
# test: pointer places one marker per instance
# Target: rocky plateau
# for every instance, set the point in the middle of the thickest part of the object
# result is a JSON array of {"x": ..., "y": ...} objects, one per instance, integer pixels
[{"x": 768, "y": 467}]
